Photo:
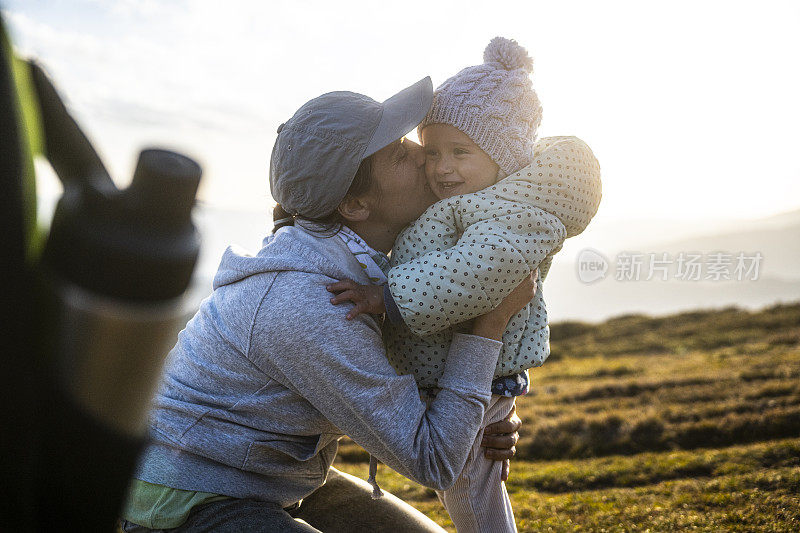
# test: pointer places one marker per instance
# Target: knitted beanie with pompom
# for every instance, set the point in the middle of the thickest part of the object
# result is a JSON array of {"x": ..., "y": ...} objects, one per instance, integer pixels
[{"x": 494, "y": 104}]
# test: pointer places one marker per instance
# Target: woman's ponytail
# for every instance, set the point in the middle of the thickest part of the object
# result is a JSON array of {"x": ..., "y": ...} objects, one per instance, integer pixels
[
  {"x": 362, "y": 183},
  {"x": 281, "y": 218}
]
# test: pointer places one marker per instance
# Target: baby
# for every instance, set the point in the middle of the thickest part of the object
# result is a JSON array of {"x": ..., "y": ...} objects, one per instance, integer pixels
[{"x": 507, "y": 204}]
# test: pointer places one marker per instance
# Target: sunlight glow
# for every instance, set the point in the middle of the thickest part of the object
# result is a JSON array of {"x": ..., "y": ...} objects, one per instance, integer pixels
[{"x": 691, "y": 108}]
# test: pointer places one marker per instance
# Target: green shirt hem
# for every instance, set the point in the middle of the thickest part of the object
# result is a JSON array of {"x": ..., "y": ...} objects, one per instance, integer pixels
[{"x": 161, "y": 507}]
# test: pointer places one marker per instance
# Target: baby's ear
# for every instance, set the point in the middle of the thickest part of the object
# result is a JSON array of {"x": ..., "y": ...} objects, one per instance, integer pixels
[{"x": 354, "y": 209}]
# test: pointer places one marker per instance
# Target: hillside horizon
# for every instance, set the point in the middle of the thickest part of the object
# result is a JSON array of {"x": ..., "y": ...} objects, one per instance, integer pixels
[{"x": 777, "y": 237}]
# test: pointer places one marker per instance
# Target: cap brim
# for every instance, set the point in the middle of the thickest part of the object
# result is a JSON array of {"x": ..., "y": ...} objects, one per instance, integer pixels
[{"x": 401, "y": 114}]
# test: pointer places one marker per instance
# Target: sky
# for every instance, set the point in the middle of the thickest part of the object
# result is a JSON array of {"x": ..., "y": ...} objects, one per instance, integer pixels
[{"x": 692, "y": 108}]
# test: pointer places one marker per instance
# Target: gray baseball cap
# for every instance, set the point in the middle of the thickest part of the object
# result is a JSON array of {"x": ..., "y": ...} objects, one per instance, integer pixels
[{"x": 319, "y": 149}]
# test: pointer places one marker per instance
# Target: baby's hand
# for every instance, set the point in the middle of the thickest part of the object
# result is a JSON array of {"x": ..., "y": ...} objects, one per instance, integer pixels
[{"x": 367, "y": 298}]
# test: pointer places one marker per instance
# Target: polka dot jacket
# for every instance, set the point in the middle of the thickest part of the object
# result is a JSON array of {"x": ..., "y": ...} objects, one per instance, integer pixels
[{"x": 466, "y": 253}]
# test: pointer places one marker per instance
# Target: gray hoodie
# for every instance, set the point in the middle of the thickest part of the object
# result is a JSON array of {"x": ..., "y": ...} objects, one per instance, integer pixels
[{"x": 268, "y": 375}]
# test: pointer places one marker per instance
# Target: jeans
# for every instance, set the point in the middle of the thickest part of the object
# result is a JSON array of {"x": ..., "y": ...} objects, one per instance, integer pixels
[{"x": 343, "y": 504}]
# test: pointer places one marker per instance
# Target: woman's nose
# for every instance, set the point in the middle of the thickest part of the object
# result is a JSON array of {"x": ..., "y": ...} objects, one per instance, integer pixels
[{"x": 417, "y": 153}]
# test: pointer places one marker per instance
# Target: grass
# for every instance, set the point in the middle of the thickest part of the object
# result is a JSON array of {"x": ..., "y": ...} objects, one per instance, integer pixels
[
  {"x": 688, "y": 421},
  {"x": 638, "y": 334},
  {"x": 744, "y": 488}
]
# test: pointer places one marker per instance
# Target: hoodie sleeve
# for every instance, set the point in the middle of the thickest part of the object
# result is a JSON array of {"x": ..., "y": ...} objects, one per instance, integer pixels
[
  {"x": 340, "y": 368},
  {"x": 501, "y": 241}
]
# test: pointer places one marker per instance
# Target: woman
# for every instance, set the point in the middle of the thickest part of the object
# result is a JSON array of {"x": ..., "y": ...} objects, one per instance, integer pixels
[{"x": 268, "y": 375}]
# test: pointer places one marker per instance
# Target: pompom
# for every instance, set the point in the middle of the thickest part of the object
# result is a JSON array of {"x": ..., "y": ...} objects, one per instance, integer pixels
[{"x": 508, "y": 53}]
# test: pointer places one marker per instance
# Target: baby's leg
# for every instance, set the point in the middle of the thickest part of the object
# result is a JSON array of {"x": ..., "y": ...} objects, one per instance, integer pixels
[{"x": 478, "y": 502}]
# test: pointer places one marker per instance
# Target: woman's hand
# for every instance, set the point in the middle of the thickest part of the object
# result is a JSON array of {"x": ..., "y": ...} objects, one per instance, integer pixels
[
  {"x": 493, "y": 324},
  {"x": 500, "y": 440},
  {"x": 367, "y": 298}
]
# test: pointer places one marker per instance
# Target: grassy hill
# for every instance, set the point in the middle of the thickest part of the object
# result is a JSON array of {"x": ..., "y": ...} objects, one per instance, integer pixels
[{"x": 687, "y": 421}]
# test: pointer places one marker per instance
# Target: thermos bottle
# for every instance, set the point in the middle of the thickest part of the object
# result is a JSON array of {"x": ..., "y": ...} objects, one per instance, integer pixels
[
  {"x": 111, "y": 281},
  {"x": 119, "y": 262}
]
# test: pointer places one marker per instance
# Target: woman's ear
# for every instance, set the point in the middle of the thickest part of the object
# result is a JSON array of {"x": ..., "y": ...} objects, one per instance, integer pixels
[{"x": 354, "y": 209}]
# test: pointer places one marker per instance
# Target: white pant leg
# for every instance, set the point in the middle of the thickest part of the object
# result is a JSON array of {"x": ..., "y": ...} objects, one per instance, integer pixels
[{"x": 478, "y": 502}]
